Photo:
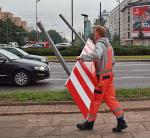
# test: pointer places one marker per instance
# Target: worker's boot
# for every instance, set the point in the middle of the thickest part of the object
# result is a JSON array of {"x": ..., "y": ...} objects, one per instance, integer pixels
[
  {"x": 85, "y": 125},
  {"x": 120, "y": 126}
]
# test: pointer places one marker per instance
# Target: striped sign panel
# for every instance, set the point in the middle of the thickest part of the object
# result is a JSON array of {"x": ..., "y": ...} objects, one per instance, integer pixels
[{"x": 81, "y": 82}]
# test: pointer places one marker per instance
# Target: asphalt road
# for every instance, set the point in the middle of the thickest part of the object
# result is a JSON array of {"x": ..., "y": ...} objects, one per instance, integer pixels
[{"x": 127, "y": 75}]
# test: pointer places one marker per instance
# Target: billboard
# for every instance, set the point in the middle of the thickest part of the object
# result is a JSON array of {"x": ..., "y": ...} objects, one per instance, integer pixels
[{"x": 141, "y": 21}]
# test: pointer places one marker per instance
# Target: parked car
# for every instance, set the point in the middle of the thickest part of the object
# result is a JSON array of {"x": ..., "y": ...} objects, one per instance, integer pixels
[
  {"x": 26, "y": 46},
  {"x": 37, "y": 46},
  {"x": 21, "y": 53},
  {"x": 44, "y": 44},
  {"x": 21, "y": 71},
  {"x": 13, "y": 44},
  {"x": 59, "y": 45},
  {"x": 3, "y": 45}
]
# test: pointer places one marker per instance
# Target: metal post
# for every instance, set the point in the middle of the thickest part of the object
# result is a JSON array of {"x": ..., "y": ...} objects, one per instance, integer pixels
[
  {"x": 55, "y": 50},
  {"x": 7, "y": 34},
  {"x": 61, "y": 16},
  {"x": 72, "y": 18},
  {"x": 37, "y": 33},
  {"x": 100, "y": 15},
  {"x": 119, "y": 20}
]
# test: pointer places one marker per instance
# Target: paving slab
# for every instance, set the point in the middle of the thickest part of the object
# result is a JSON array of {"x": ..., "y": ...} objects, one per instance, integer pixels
[{"x": 64, "y": 126}]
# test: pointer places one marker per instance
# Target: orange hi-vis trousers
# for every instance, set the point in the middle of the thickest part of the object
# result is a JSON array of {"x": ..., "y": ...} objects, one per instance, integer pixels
[{"x": 105, "y": 91}]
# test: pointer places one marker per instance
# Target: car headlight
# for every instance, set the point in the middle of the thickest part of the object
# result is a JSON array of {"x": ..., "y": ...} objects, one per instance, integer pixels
[
  {"x": 44, "y": 60},
  {"x": 41, "y": 68}
]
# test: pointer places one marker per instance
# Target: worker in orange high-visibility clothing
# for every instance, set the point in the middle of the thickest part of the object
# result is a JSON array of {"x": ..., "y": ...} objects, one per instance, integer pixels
[{"x": 103, "y": 57}]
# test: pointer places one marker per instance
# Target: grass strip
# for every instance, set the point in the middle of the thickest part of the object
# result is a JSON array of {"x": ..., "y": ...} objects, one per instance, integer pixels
[
  {"x": 117, "y": 57},
  {"x": 47, "y": 96}
]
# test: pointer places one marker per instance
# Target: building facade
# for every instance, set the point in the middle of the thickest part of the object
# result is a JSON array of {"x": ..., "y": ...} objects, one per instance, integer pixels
[
  {"x": 127, "y": 18},
  {"x": 16, "y": 20}
]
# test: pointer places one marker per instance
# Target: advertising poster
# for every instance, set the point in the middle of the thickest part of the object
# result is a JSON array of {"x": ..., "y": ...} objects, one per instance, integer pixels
[{"x": 141, "y": 21}]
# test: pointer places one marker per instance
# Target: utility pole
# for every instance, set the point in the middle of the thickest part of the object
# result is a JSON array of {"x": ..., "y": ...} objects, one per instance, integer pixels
[
  {"x": 119, "y": 22},
  {"x": 37, "y": 33},
  {"x": 7, "y": 33},
  {"x": 72, "y": 19},
  {"x": 100, "y": 14}
]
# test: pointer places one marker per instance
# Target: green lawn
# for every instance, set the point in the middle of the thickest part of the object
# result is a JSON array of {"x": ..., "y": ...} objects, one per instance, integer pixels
[
  {"x": 133, "y": 57},
  {"x": 117, "y": 57},
  {"x": 47, "y": 96}
]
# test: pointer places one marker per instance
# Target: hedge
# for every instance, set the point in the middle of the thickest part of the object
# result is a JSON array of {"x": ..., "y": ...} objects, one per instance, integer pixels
[
  {"x": 76, "y": 50},
  {"x": 132, "y": 51}
]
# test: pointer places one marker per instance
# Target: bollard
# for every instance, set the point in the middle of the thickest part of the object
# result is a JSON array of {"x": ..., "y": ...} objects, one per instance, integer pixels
[{"x": 55, "y": 50}]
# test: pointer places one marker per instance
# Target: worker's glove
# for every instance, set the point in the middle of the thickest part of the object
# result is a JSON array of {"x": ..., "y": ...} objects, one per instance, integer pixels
[{"x": 78, "y": 58}]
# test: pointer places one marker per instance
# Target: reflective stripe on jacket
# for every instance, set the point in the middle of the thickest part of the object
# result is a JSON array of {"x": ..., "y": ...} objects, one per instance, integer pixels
[{"x": 99, "y": 55}]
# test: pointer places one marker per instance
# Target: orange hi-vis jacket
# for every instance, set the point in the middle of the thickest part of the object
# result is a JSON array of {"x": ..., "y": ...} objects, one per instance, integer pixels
[
  {"x": 105, "y": 88},
  {"x": 106, "y": 73}
]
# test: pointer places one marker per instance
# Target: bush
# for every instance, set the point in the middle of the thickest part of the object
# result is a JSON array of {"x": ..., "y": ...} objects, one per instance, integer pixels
[
  {"x": 65, "y": 51},
  {"x": 40, "y": 51},
  {"x": 131, "y": 51},
  {"x": 76, "y": 51},
  {"x": 71, "y": 51}
]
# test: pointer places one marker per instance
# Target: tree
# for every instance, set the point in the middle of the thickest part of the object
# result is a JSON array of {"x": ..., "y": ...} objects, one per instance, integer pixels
[
  {"x": 32, "y": 35},
  {"x": 103, "y": 22},
  {"x": 115, "y": 40},
  {"x": 56, "y": 37},
  {"x": 141, "y": 37},
  {"x": 14, "y": 32}
]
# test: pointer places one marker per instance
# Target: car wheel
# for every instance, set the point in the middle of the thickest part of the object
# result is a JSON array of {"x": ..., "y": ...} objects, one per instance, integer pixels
[{"x": 21, "y": 78}]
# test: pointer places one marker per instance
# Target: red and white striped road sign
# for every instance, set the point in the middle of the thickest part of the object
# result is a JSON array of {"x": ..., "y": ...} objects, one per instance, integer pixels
[{"x": 82, "y": 81}]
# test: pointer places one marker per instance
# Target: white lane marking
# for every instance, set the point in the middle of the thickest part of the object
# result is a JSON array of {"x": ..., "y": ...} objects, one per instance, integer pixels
[
  {"x": 124, "y": 65},
  {"x": 133, "y": 77},
  {"x": 56, "y": 79},
  {"x": 136, "y": 70}
]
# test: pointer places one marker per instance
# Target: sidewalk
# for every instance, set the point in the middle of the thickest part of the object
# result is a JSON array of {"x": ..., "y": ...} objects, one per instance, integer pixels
[
  {"x": 64, "y": 126},
  {"x": 68, "y": 108}
]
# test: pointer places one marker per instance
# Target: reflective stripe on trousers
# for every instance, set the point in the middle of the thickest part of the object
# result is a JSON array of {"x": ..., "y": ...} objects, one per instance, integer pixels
[{"x": 108, "y": 95}]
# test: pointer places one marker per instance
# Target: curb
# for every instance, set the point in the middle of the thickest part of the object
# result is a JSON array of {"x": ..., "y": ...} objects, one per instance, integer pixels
[
  {"x": 68, "y": 112},
  {"x": 140, "y": 60},
  {"x": 64, "y": 102}
]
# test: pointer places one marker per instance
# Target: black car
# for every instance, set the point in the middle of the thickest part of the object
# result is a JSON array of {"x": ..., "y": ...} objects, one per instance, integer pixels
[
  {"x": 21, "y": 71},
  {"x": 19, "y": 52}
]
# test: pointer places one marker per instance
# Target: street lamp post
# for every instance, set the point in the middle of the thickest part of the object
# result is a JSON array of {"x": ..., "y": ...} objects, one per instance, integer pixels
[
  {"x": 85, "y": 19},
  {"x": 100, "y": 14},
  {"x": 37, "y": 33},
  {"x": 72, "y": 19},
  {"x": 7, "y": 30},
  {"x": 119, "y": 21}
]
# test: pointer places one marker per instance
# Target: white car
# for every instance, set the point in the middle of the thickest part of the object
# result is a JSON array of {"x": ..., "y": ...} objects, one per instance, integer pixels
[
  {"x": 3, "y": 45},
  {"x": 63, "y": 45}
]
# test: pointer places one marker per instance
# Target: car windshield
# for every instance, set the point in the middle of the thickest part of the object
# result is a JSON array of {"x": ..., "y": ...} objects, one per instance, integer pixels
[
  {"x": 21, "y": 51},
  {"x": 9, "y": 54}
]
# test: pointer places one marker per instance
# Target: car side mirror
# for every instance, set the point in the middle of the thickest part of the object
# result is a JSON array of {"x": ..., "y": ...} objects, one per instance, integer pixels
[{"x": 3, "y": 59}]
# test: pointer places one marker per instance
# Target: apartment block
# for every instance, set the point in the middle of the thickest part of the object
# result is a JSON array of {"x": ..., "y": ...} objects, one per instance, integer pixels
[
  {"x": 16, "y": 20},
  {"x": 128, "y": 20}
]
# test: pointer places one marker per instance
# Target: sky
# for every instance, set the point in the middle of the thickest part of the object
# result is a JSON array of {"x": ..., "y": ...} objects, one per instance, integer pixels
[{"x": 49, "y": 10}]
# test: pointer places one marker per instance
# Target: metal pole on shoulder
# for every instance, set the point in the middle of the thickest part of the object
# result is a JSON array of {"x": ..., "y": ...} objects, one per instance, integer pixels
[
  {"x": 61, "y": 16},
  {"x": 55, "y": 50}
]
